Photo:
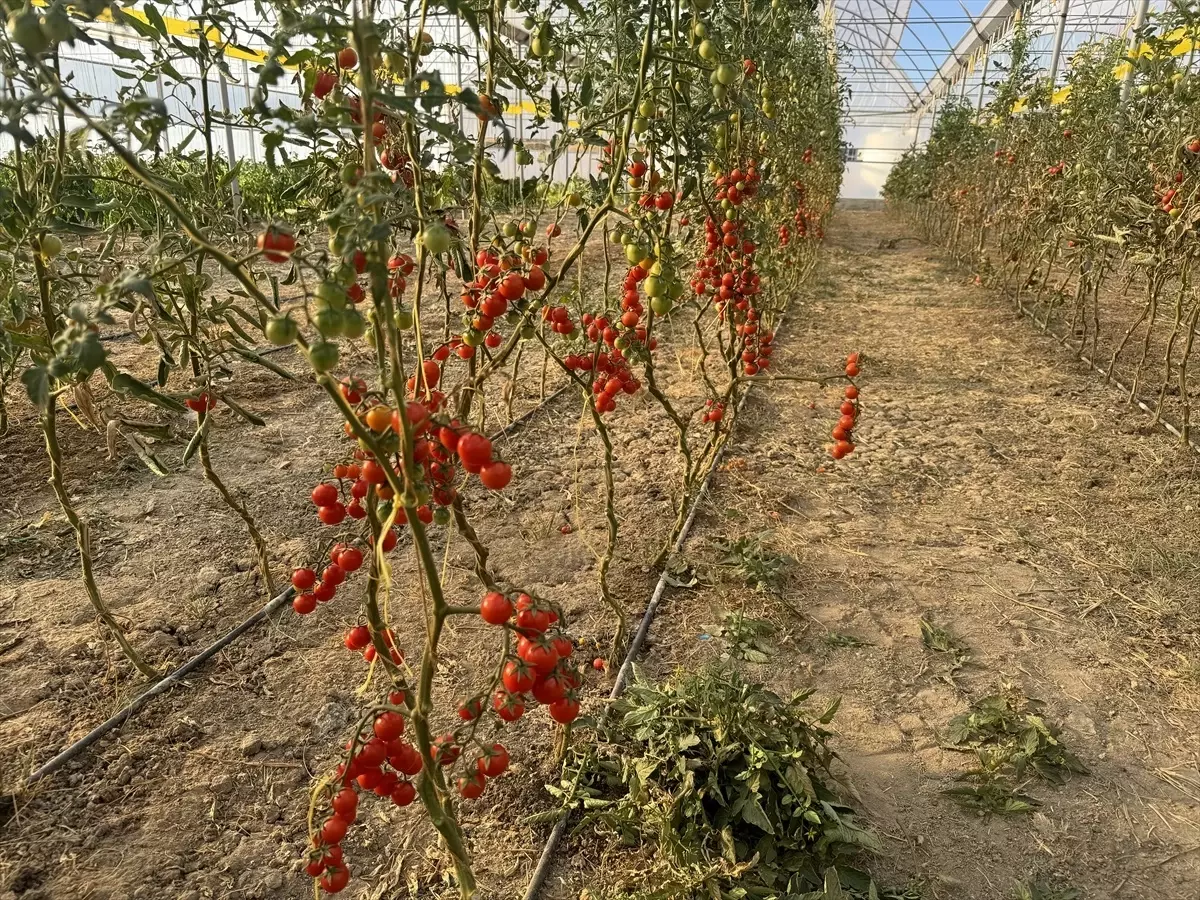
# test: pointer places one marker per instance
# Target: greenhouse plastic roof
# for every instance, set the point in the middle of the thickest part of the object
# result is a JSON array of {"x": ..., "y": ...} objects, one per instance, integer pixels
[{"x": 900, "y": 56}]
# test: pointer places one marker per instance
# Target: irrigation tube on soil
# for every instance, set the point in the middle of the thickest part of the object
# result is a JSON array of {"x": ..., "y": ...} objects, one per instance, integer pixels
[
  {"x": 168, "y": 681},
  {"x": 157, "y": 688},
  {"x": 543, "y": 866}
]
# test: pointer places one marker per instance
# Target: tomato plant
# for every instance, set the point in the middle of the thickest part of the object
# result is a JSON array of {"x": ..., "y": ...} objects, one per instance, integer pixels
[{"x": 1067, "y": 199}]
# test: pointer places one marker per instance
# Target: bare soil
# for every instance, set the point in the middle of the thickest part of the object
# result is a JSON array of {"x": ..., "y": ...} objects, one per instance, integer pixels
[{"x": 998, "y": 490}]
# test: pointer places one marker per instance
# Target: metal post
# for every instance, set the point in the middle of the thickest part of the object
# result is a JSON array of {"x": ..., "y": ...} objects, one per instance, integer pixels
[
  {"x": 987, "y": 55},
  {"x": 458, "y": 67},
  {"x": 162, "y": 95},
  {"x": 234, "y": 189},
  {"x": 1139, "y": 19},
  {"x": 252, "y": 139},
  {"x": 1056, "y": 56}
]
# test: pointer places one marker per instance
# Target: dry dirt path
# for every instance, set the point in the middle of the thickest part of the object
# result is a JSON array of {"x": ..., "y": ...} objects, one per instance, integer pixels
[{"x": 1004, "y": 494}]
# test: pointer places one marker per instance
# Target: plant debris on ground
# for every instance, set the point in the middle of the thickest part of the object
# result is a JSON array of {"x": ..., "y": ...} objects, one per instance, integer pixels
[
  {"x": 725, "y": 785},
  {"x": 1013, "y": 744}
]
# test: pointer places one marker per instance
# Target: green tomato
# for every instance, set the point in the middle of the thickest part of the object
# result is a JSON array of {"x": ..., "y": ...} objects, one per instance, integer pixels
[
  {"x": 510, "y": 230},
  {"x": 675, "y": 289},
  {"x": 530, "y": 229},
  {"x": 528, "y": 332},
  {"x": 50, "y": 245},
  {"x": 634, "y": 254},
  {"x": 646, "y": 108},
  {"x": 768, "y": 109},
  {"x": 436, "y": 238},
  {"x": 726, "y": 73},
  {"x": 329, "y": 322},
  {"x": 281, "y": 330},
  {"x": 331, "y": 295},
  {"x": 700, "y": 31},
  {"x": 621, "y": 343},
  {"x": 25, "y": 30},
  {"x": 403, "y": 318},
  {"x": 708, "y": 50},
  {"x": 541, "y": 47},
  {"x": 661, "y": 305},
  {"x": 653, "y": 286},
  {"x": 441, "y": 516},
  {"x": 640, "y": 125},
  {"x": 57, "y": 26},
  {"x": 472, "y": 338},
  {"x": 354, "y": 325},
  {"x": 323, "y": 356}
]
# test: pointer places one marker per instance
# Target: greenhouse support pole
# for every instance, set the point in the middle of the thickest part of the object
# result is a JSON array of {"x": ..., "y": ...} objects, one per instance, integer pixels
[
  {"x": 458, "y": 68},
  {"x": 234, "y": 189},
  {"x": 1056, "y": 56},
  {"x": 1139, "y": 19},
  {"x": 987, "y": 55},
  {"x": 253, "y": 141},
  {"x": 162, "y": 95}
]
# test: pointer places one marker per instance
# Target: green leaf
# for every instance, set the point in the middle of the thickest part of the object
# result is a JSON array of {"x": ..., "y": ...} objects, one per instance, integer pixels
[
  {"x": 753, "y": 814},
  {"x": 197, "y": 438},
  {"x": 37, "y": 384},
  {"x": 242, "y": 411},
  {"x": 123, "y": 383}
]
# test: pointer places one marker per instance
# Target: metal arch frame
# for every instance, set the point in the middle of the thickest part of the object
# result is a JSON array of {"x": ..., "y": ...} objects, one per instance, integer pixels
[
  {"x": 886, "y": 64},
  {"x": 886, "y": 60}
]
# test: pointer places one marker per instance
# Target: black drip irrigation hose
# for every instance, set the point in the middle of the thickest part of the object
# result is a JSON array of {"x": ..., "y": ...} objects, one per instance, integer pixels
[
  {"x": 538, "y": 878},
  {"x": 157, "y": 688},
  {"x": 1145, "y": 405},
  {"x": 169, "y": 681}
]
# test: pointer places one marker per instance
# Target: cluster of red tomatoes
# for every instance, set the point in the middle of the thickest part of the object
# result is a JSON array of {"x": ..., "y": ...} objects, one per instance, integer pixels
[
  {"x": 540, "y": 671},
  {"x": 719, "y": 272},
  {"x": 1004, "y": 157},
  {"x": 713, "y": 411},
  {"x": 343, "y": 559},
  {"x": 400, "y": 266},
  {"x": 358, "y": 639},
  {"x": 842, "y": 431},
  {"x": 660, "y": 201},
  {"x": 498, "y": 286},
  {"x": 399, "y": 165},
  {"x": 383, "y": 763},
  {"x": 1167, "y": 200},
  {"x": 1057, "y": 169},
  {"x": 757, "y": 345},
  {"x": 738, "y": 185},
  {"x": 559, "y": 318},
  {"x": 799, "y": 219},
  {"x": 613, "y": 377}
]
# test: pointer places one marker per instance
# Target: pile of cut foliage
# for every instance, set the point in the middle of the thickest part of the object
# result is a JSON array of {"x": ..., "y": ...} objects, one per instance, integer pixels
[{"x": 725, "y": 788}]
